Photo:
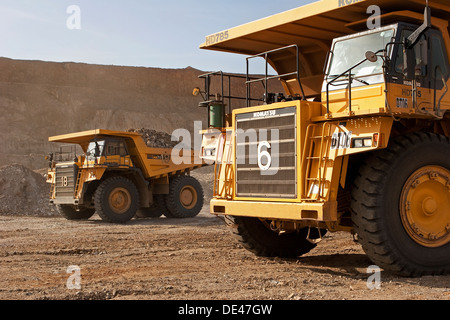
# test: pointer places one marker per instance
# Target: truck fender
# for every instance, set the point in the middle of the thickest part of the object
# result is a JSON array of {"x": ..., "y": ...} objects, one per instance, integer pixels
[{"x": 144, "y": 188}]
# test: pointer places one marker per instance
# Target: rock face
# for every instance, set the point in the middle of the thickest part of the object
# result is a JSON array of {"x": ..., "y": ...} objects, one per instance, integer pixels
[
  {"x": 24, "y": 192},
  {"x": 42, "y": 99}
]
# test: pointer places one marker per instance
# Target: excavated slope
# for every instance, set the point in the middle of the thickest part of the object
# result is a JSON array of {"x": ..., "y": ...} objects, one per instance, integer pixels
[{"x": 40, "y": 99}]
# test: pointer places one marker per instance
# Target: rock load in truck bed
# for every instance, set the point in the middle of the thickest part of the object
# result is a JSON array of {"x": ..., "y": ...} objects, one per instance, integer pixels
[
  {"x": 24, "y": 192},
  {"x": 155, "y": 139}
]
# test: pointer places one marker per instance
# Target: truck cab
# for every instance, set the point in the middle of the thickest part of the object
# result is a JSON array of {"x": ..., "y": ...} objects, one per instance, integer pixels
[
  {"x": 118, "y": 176},
  {"x": 359, "y": 141},
  {"x": 109, "y": 151},
  {"x": 412, "y": 80}
]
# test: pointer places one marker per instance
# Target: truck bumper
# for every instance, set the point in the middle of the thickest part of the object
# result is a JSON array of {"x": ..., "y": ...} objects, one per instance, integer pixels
[
  {"x": 65, "y": 200},
  {"x": 321, "y": 212}
]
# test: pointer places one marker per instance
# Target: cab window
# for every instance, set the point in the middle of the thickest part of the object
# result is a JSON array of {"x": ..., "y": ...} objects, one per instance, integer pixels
[
  {"x": 439, "y": 66},
  {"x": 420, "y": 53},
  {"x": 95, "y": 149},
  {"x": 116, "y": 148}
]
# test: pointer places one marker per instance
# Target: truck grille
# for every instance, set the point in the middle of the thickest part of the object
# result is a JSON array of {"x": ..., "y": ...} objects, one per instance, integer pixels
[
  {"x": 65, "y": 180},
  {"x": 266, "y": 154}
]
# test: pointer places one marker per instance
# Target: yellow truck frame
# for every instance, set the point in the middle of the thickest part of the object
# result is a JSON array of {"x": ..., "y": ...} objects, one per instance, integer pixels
[
  {"x": 358, "y": 142},
  {"x": 118, "y": 176}
]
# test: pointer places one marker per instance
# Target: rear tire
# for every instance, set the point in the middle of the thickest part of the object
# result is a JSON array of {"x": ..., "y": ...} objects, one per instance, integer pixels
[
  {"x": 160, "y": 203},
  {"x": 256, "y": 237},
  {"x": 116, "y": 200},
  {"x": 71, "y": 213},
  {"x": 401, "y": 205},
  {"x": 185, "y": 198}
]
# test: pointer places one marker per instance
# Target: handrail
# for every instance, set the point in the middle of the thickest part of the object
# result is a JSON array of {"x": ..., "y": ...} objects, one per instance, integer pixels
[
  {"x": 350, "y": 81},
  {"x": 229, "y": 96},
  {"x": 266, "y": 77},
  {"x": 248, "y": 81}
]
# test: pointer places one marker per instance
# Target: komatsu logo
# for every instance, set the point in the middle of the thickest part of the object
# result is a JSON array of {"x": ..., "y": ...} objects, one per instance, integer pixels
[
  {"x": 262, "y": 114},
  {"x": 343, "y": 3}
]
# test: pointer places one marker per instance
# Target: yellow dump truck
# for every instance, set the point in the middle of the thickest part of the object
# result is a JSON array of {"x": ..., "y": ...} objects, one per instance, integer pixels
[
  {"x": 118, "y": 176},
  {"x": 358, "y": 141}
]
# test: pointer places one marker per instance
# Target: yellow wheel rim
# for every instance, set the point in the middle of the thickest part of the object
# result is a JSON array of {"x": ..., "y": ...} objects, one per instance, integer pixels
[
  {"x": 425, "y": 206},
  {"x": 119, "y": 200},
  {"x": 188, "y": 197}
]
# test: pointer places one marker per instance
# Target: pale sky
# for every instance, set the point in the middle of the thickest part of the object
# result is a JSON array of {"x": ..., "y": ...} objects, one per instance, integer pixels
[{"x": 148, "y": 33}]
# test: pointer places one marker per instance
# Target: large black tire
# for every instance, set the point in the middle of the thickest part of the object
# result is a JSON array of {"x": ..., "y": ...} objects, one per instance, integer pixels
[
  {"x": 72, "y": 213},
  {"x": 185, "y": 198},
  {"x": 116, "y": 200},
  {"x": 256, "y": 237},
  {"x": 395, "y": 200},
  {"x": 160, "y": 203}
]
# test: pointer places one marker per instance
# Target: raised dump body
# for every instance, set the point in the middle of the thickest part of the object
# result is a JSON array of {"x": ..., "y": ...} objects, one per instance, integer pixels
[
  {"x": 358, "y": 142},
  {"x": 118, "y": 175}
]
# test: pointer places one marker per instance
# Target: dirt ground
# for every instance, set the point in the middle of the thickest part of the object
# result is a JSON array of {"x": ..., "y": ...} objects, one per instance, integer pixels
[{"x": 193, "y": 259}]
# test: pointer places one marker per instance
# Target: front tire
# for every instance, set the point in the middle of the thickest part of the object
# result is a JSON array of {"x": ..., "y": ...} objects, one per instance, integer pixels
[
  {"x": 401, "y": 205},
  {"x": 116, "y": 200},
  {"x": 255, "y": 236},
  {"x": 72, "y": 213},
  {"x": 160, "y": 204}
]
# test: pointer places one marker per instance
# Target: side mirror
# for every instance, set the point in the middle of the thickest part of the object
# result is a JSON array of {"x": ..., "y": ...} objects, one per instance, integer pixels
[
  {"x": 415, "y": 36},
  {"x": 371, "y": 56},
  {"x": 97, "y": 150}
]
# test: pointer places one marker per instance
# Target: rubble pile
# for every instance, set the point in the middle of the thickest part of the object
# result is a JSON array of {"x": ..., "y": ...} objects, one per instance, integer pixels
[
  {"x": 155, "y": 139},
  {"x": 24, "y": 192}
]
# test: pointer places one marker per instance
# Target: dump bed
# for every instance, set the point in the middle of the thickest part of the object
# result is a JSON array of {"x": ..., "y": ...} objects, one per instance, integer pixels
[
  {"x": 312, "y": 27},
  {"x": 154, "y": 162}
]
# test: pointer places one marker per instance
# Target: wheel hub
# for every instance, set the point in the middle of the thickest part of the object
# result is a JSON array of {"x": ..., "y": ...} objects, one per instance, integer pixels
[
  {"x": 188, "y": 197},
  {"x": 425, "y": 206},
  {"x": 429, "y": 206},
  {"x": 120, "y": 200}
]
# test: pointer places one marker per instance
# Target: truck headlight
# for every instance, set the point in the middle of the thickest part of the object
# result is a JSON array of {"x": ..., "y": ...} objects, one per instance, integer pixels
[
  {"x": 362, "y": 143},
  {"x": 210, "y": 152}
]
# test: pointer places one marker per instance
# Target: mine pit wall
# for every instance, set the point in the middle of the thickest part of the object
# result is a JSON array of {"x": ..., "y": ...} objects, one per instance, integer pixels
[{"x": 41, "y": 99}]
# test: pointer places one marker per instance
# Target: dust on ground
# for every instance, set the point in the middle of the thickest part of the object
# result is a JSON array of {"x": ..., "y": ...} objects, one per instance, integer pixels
[
  {"x": 165, "y": 259},
  {"x": 187, "y": 259}
]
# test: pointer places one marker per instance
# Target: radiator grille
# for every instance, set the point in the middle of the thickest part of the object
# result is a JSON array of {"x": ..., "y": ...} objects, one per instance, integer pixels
[
  {"x": 65, "y": 180},
  {"x": 261, "y": 136}
]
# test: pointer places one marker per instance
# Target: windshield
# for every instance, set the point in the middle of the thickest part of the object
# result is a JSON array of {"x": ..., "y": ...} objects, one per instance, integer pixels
[
  {"x": 95, "y": 148},
  {"x": 349, "y": 52}
]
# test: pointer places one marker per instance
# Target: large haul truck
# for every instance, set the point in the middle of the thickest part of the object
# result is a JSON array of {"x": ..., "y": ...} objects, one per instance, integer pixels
[
  {"x": 117, "y": 176},
  {"x": 358, "y": 142}
]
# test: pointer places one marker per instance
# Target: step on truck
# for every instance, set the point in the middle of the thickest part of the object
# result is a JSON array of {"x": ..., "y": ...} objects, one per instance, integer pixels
[
  {"x": 118, "y": 177},
  {"x": 358, "y": 141}
]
